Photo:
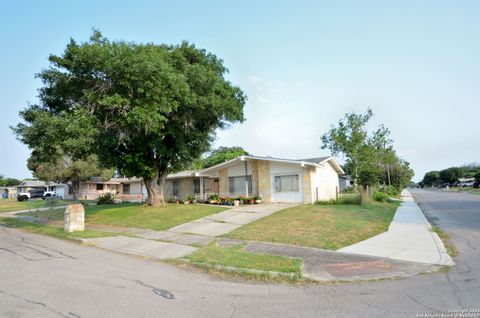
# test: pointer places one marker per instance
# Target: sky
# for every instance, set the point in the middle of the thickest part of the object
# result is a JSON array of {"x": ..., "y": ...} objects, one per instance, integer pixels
[{"x": 302, "y": 64}]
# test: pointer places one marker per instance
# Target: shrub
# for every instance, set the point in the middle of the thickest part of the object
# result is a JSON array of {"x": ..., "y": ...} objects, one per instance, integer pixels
[
  {"x": 51, "y": 201},
  {"x": 349, "y": 189},
  {"x": 106, "y": 198},
  {"x": 391, "y": 190},
  {"x": 343, "y": 199},
  {"x": 380, "y": 196}
]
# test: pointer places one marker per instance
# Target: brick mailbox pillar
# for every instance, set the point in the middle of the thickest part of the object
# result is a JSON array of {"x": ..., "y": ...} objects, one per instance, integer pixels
[{"x": 74, "y": 218}]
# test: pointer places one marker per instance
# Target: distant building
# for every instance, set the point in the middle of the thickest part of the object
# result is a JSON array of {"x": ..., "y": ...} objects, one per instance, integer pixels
[{"x": 344, "y": 181}]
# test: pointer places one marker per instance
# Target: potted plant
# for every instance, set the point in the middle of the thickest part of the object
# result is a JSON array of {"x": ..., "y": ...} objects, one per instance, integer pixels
[
  {"x": 190, "y": 199},
  {"x": 258, "y": 199},
  {"x": 251, "y": 200},
  {"x": 213, "y": 199},
  {"x": 236, "y": 202}
]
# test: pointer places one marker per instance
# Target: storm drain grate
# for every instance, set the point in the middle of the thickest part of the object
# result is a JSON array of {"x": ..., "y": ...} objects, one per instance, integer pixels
[{"x": 359, "y": 268}]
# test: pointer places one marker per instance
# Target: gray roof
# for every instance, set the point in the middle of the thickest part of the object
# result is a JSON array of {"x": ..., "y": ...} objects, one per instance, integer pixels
[
  {"x": 32, "y": 183},
  {"x": 316, "y": 160},
  {"x": 182, "y": 174}
]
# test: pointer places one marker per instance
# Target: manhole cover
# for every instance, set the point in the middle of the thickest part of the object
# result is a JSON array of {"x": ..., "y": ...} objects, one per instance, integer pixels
[{"x": 359, "y": 268}]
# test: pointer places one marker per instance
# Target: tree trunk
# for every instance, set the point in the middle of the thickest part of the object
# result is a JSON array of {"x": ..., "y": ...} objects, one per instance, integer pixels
[
  {"x": 388, "y": 174},
  {"x": 155, "y": 188},
  {"x": 75, "y": 189}
]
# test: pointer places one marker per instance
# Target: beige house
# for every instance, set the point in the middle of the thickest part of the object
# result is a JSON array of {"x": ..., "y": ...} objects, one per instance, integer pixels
[
  {"x": 273, "y": 179},
  {"x": 125, "y": 189}
]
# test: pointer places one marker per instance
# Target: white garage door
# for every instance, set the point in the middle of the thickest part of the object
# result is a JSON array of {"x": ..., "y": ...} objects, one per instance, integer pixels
[{"x": 287, "y": 187}]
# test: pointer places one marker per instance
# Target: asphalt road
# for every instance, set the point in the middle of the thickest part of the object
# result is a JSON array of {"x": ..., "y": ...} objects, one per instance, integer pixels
[{"x": 45, "y": 277}]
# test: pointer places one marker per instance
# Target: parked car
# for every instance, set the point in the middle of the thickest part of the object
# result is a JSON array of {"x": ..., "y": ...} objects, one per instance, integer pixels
[
  {"x": 466, "y": 184},
  {"x": 48, "y": 194},
  {"x": 32, "y": 194}
]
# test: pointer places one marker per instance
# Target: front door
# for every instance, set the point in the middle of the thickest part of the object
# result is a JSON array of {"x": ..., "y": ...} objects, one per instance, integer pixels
[{"x": 215, "y": 186}]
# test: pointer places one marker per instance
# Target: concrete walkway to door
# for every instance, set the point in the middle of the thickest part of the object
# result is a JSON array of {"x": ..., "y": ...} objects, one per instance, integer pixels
[{"x": 227, "y": 221}]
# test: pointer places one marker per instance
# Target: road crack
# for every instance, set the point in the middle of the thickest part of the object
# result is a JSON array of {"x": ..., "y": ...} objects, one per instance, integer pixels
[{"x": 37, "y": 303}]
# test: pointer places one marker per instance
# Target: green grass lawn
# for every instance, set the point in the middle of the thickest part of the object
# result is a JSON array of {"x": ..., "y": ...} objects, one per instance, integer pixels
[
  {"x": 137, "y": 215},
  {"x": 7, "y": 205},
  {"x": 236, "y": 256},
  {"x": 322, "y": 226},
  {"x": 50, "y": 230}
]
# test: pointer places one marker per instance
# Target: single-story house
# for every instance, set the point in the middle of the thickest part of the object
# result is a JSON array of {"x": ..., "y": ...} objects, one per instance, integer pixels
[
  {"x": 126, "y": 189},
  {"x": 8, "y": 192},
  {"x": 345, "y": 181},
  {"x": 28, "y": 185},
  {"x": 273, "y": 179}
]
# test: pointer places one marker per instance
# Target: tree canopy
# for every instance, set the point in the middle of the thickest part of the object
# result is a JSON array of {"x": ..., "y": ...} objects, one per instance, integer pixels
[
  {"x": 8, "y": 182},
  {"x": 450, "y": 176},
  {"x": 141, "y": 108},
  {"x": 223, "y": 154},
  {"x": 369, "y": 156}
]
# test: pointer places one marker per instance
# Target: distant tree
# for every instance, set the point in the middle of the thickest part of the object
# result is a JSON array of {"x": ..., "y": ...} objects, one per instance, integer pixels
[
  {"x": 223, "y": 154},
  {"x": 143, "y": 109},
  {"x": 66, "y": 170},
  {"x": 8, "y": 182},
  {"x": 370, "y": 157},
  {"x": 450, "y": 175},
  {"x": 431, "y": 178},
  {"x": 477, "y": 179},
  {"x": 401, "y": 174},
  {"x": 349, "y": 138}
]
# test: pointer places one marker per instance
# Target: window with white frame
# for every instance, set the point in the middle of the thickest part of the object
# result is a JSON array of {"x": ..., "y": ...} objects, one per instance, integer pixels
[
  {"x": 126, "y": 188},
  {"x": 288, "y": 183},
  {"x": 236, "y": 185}
]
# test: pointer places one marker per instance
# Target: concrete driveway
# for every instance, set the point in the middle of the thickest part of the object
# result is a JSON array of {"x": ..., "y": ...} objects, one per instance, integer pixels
[{"x": 227, "y": 221}]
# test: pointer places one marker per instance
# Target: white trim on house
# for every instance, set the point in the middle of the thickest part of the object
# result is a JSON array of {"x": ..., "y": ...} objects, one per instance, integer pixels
[{"x": 302, "y": 163}]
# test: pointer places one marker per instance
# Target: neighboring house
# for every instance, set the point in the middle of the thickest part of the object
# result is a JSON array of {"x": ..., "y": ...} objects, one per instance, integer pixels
[
  {"x": 28, "y": 185},
  {"x": 345, "y": 181},
  {"x": 273, "y": 179},
  {"x": 126, "y": 189},
  {"x": 61, "y": 190},
  {"x": 8, "y": 192}
]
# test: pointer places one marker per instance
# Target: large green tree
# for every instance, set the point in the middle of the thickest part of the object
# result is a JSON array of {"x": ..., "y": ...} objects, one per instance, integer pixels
[
  {"x": 370, "y": 156},
  {"x": 349, "y": 138},
  {"x": 141, "y": 108}
]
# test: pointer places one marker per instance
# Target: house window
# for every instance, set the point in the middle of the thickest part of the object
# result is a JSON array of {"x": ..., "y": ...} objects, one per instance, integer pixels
[
  {"x": 176, "y": 188},
  {"x": 236, "y": 185},
  {"x": 126, "y": 188},
  {"x": 99, "y": 186},
  {"x": 196, "y": 186},
  {"x": 286, "y": 183},
  {"x": 207, "y": 185}
]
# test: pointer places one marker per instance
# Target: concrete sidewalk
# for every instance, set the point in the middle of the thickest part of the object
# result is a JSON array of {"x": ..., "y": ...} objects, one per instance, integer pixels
[
  {"x": 409, "y": 238},
  {"x": 227, "y": 221},
  {"x": 141, "y": 247}
]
